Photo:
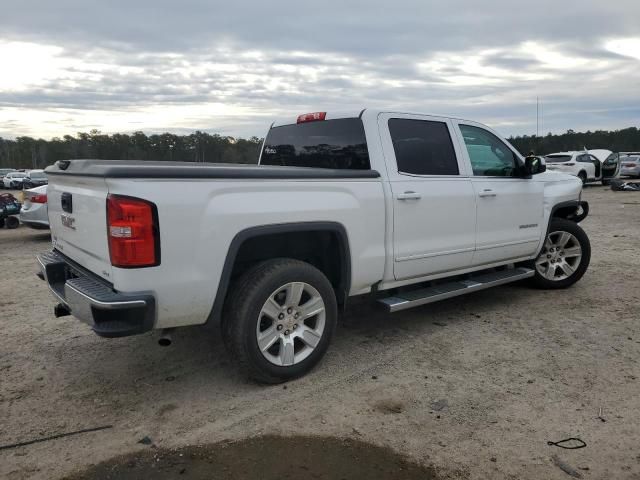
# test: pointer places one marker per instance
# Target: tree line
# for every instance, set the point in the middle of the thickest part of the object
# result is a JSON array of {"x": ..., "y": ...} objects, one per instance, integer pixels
[
  {"x": 625, "y": 140},
  {"x": 27, "y": 152}
]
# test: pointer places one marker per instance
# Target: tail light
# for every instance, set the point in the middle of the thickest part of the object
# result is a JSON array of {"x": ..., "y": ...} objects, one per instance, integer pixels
[
  {"x": 134, "y": 234},
  {"x": 42, "y": 198},
  {"x": 311, "y": 117}
]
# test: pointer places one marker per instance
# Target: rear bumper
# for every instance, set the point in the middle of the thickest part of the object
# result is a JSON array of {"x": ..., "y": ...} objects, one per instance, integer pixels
[{"x": 94, "y": 302}]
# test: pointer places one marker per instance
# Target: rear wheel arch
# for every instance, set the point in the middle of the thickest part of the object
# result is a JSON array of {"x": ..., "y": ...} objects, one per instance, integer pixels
[
  {"x": 324, "y": 245},
  {"x": 582, "y": 175}
]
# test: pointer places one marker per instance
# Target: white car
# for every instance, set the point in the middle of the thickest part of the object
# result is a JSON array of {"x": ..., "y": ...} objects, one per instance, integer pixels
[
  {"x": 403, "y": 208},
  {"x": 34, "y": 208},
  {"x": 588, "y": 166},
  {"x": 3, "y": 172},
  {"x": 13, "y": 180}
]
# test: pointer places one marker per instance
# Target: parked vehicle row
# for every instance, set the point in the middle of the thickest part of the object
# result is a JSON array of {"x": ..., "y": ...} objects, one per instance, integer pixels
[{"x": 22, "y": 180}]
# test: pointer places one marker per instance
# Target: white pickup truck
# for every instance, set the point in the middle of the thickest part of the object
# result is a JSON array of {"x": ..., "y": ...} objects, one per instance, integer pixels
[{"x": 404, "y": 208}]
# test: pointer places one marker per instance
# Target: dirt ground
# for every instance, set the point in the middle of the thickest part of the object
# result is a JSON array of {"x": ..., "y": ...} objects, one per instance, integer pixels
[{"x": 471, "y": 388}]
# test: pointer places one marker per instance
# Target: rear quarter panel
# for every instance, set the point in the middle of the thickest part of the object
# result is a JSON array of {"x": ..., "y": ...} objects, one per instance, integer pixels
[{"x": 199, "y": 219}]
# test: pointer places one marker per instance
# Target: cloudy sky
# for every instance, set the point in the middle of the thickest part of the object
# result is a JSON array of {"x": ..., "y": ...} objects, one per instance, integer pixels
[{"x": 231, "y": 67}]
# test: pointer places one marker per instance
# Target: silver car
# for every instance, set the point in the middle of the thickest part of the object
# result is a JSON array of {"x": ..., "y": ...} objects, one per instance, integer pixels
[
  {"x": 630, "y": 165},
  {"x": 34, "y": 209}
]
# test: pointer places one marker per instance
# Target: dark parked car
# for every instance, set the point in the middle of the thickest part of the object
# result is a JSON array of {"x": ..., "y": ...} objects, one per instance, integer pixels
[{"x": 34, "y": 178}]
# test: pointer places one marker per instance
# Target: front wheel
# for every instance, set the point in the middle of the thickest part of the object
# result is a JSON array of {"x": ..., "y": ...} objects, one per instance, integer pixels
[
  {"x": 279, "y": 319},
  {"x": 564, "y": 257}
]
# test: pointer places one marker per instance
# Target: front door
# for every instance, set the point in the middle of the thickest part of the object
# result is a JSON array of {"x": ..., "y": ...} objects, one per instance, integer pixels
[
  {"x": 611, "y": 166},
  {"x": 510, "y": 209},
  {"x": 433, "y": 200}
]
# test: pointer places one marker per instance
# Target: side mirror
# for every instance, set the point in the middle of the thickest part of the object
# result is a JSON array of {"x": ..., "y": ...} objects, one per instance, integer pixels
[{"x": 534, "y": 165}]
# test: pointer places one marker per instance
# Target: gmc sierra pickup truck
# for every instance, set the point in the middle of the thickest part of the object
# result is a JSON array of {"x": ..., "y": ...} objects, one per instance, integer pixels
[{"x": 404, "y": 208}]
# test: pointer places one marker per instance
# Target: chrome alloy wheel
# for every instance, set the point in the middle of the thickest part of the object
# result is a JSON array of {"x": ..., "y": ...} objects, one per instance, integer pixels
[
  {"x": 560, "y": 256},
  {"x": 290, "y": 324}
]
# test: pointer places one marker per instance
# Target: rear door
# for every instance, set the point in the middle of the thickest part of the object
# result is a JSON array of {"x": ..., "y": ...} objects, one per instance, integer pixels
[
  {"x": 77, "y": 218},
  {"x": 433, "y": 202},
  {"x": 586, "y": 164},
  {"x": 510, "y": 209}
]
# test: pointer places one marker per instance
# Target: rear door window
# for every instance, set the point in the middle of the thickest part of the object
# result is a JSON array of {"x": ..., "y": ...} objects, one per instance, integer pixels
[
  {"x": 338, "y": 144},
  {"x": 423, "y": 147}
]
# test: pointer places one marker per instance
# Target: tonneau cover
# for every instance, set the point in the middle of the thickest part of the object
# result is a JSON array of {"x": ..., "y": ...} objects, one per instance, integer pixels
[{"x": 161, "y": 169}]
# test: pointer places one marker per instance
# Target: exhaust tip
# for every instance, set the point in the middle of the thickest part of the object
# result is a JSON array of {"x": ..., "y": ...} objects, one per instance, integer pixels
[{"x": 165, "y": 337}]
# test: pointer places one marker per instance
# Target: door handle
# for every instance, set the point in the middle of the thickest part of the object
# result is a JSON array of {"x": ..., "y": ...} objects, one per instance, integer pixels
[
  {"x": 409, "y": 195},
  {"x": 487, "y": 192}
]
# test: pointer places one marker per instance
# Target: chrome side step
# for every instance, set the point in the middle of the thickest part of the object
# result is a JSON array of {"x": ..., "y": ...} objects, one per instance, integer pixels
[{"x": 434, "y": 293}]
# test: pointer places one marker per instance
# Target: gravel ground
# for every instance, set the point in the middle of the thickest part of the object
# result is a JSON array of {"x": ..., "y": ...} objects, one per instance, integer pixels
[{"x": 473, "y": 387}]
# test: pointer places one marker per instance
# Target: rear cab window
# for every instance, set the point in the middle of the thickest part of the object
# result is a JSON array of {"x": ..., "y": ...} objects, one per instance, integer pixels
[
  {"x": 423, "y": 147},
  {"x": 336, "y": 144}
]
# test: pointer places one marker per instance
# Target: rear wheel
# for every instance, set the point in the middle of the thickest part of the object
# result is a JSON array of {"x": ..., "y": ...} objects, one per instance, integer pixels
[
  {"x": 583, "y": 176},
  {"x": 279, "y": 319},
  {"x": 564, "y": 257}
]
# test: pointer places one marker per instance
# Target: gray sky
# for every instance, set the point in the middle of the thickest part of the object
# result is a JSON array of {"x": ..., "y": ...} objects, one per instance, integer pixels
[{"x": 231, "y": 67}]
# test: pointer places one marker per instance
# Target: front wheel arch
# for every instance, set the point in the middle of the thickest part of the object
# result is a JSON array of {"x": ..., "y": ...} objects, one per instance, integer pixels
[{"x": 561, "y": 225}]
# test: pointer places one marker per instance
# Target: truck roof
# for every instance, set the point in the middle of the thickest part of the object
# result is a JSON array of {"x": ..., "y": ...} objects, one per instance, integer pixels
[{"x": 333, "y": 115}]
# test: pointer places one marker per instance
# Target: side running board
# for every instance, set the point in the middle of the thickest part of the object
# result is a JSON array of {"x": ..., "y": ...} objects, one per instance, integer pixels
[{"x": 434, "y": 293}]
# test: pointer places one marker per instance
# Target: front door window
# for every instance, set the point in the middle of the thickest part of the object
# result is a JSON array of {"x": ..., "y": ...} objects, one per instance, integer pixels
[{"x": 489, "y": 156}]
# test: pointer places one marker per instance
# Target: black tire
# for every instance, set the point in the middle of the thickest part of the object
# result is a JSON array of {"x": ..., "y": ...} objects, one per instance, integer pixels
[
  {"x": 2, "y": 222},
  {"x": 12, "y": 222},
  {"x": 606, "y": 182},
  {"x": 562, "y": 225},
  {"x": 242, "y": 314},
  {"x": 583, "y": 176}
]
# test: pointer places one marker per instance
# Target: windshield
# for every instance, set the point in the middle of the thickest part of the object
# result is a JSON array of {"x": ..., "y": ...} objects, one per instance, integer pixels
[
  {"x": 4, "y": 171},
  {"x": 336, "y": 143},
  {"x": 557, "y": 158},
  {"x": 37, "y": 175},
  {"x": 18, "y": 175}
]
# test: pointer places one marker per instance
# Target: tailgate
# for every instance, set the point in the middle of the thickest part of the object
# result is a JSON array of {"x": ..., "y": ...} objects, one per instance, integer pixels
[{"x": 79, "y": 227}]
